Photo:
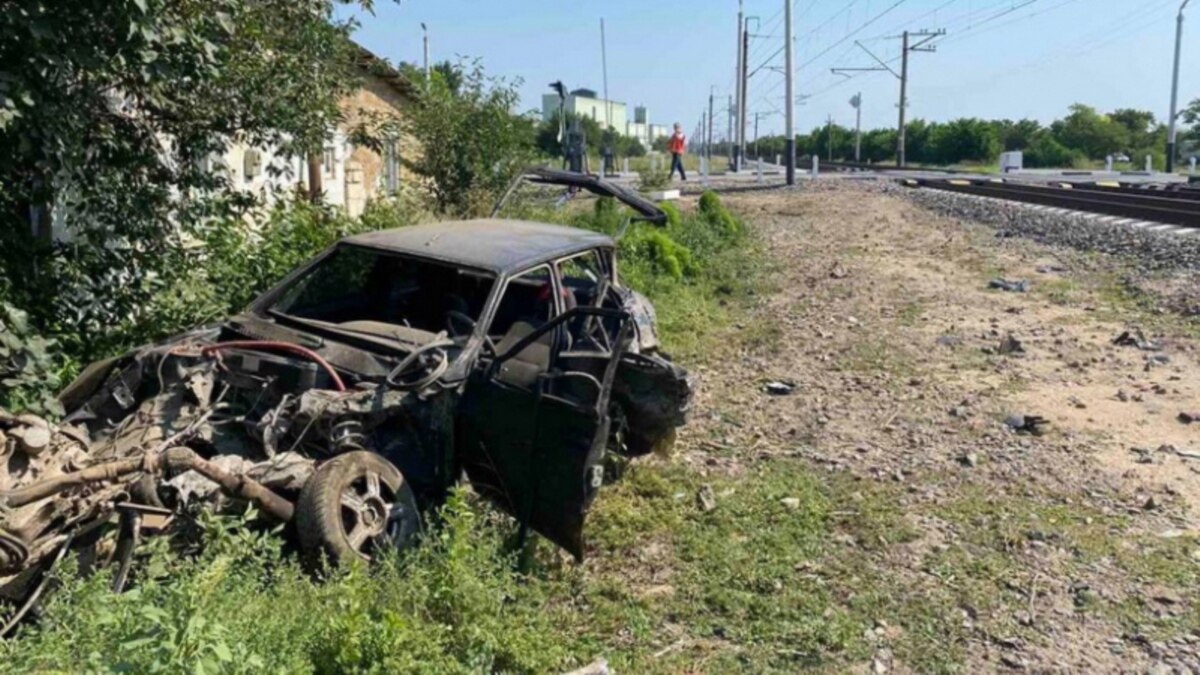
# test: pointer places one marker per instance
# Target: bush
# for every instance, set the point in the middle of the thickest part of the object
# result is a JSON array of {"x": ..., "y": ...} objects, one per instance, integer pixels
[
  {"x": 30, "y": 373},
  {"x": 650, "y": 179},
  {"x": 712, "y": 210},
  {"x": 674, "y": 217}
]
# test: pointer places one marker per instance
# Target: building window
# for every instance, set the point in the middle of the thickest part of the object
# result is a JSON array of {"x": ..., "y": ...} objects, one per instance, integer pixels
[
  {"x": 391, "y": 167},
  {"x": 329, "y": 162}
]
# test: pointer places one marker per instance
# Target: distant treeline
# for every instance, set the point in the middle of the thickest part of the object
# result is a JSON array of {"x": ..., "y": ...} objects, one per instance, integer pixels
[{"x": 1082, "y": 136}]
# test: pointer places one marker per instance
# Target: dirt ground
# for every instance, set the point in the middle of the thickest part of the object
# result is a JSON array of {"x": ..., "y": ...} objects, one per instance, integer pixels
[{"x": 1070, "y": 550}]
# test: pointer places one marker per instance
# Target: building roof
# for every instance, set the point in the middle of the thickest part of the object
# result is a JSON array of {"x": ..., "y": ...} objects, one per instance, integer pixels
[
  {"x": 380, "y": 68},
  {"x": 499, "y": 245}
]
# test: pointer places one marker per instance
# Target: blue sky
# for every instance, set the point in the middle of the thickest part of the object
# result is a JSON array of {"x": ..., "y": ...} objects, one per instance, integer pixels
[{"x": 1000, "y": 58}]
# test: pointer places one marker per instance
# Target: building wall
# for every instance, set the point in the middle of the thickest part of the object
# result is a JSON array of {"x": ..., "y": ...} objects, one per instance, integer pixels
[
  {"x": 351, "y": 174},
  {"x": 594, "y": 108}
]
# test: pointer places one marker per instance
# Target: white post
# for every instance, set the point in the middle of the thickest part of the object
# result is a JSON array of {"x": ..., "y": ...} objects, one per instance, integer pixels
[
  {"x": 816, "y": 170},
  {"x": 704, "y": 171},
  {"x": 777, "y": 160},
  {"x": 1149, "y": 164},
  {"x": 625, "y": 165},
  {"x": 1108, "y": 163},
  {"x": 1193, "y": 166},
  {"x": 758, "y": 168}
]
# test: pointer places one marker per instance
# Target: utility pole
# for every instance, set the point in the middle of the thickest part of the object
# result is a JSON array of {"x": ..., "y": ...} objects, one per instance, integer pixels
[
  {"x": 856, "y": 101},
  {"x": 920, "y": 46},
  {"x": 900, "y": 131},
  {"x": 829, "y": 137},
  {"x": 789, "y": 75},
  {"x": 1175, "y": 91},
  {"x": 425, "y": 41},
  {"x": 756, "y": 118},
  {"x": 708, "y": 143},
  {"x": 729, "y": 134},
  {"x": 740, "y": 83},
  {"x": 745, "y": 78}
]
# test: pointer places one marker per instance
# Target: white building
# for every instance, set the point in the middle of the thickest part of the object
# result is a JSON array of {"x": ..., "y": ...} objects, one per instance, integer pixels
[{"x": 587, "y": 103}]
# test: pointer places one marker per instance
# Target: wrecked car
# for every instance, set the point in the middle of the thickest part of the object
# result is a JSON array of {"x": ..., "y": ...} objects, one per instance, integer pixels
[{"x": 350, "y": 398}]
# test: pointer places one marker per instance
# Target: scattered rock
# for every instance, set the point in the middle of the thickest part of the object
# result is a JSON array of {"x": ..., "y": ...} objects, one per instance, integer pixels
[
  {"x": 1188, "y": 417},
  {"x": 1122, "y": 395},
  {"x": 838, "y": 272},
  {"x": 1051, "y": 269},
  {"x": 705, "y": 499},
  {"x": 1026, "y": 424},
  {"x": 1018, "y": 286},
  {"x": 969, "y": 459},
  {"x": 949, "y": 341},
  {"x": 792, "y": 503},
  {"x": 1075, "y": 402},
  {"x": 1136, "y": 338},
  {"x": 1010, "y": 345}
]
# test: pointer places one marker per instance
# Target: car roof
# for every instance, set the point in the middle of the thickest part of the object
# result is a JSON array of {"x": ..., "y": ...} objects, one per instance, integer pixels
[{"x": 495, "y": 244}]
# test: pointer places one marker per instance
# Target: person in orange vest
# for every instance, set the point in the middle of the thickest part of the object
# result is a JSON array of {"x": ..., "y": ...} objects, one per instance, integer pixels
[{"x": 677, "y": 145}]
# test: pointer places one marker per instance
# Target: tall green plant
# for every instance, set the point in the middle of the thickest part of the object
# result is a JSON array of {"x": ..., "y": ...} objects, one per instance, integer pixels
[{"x": 471, "y": 144}]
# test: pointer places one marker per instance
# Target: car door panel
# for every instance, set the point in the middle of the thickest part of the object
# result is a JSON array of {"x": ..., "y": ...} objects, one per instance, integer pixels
[{"x": 537, "y": 452}]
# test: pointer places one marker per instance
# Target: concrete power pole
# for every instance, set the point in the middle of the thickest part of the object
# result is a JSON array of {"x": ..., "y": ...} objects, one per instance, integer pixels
[
  {"x": 737, "y": 76},
  {"x": 745, "y": 77},
  {"x": 729, "y": 133},
  {"x": 708, "y": 144},
  {"x": 905, "y": 49},
  {"x": 425, "y": 42},
  {"x": 790, "y": 80},
  {"x": 856, "y": 101},
  {"x": 900, "y": 134},
  {"x": 1175, "y": 91},
  {"x": 829, "y": 137}
]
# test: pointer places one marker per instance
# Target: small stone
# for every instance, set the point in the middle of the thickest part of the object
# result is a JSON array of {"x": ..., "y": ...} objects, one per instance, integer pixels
[
  {"x": 1122, "y": 395},
  {"x": 705, "y": 498},
  {"x": 969, "y": 459},
  {"x": 1150, "y": 504},
  {"x": 1188, "y": 417},
  {"x": 792, "y": 503}
]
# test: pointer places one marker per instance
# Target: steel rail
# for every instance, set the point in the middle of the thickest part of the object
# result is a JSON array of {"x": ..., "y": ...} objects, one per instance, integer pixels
[{"x": 1150, "y": 207}]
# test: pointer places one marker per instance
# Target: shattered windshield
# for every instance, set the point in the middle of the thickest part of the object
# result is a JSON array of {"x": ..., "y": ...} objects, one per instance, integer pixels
[{"x": 376, "y": 293}]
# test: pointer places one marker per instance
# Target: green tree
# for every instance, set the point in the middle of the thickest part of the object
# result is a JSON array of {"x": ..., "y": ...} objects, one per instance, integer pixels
[
  {"x": 1044, "y": 151},
  {"x": 471, "y": 144},
  {"x": 109, "y": 110},
  {"x": 963, "y": 140},
  {"x": 1087, "y": 131}
]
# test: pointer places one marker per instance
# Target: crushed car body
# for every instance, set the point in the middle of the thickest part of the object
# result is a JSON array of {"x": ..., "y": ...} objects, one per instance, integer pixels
[{"x": 353, "y": 396}]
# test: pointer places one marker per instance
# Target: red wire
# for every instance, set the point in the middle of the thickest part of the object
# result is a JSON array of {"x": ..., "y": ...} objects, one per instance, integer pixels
[{"x": 281, "y": 346}]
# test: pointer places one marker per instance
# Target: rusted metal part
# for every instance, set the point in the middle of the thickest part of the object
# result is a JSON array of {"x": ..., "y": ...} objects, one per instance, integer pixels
[{"x": 183, "y": 459}]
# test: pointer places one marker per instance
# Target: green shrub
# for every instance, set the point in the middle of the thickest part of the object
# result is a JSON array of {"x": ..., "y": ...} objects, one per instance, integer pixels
[
  {"x": 652, "y": 179},
  {"x": 651, "y": 247},
  {"x": 30, "y": 372},
  {"x": 712, "y": 210},
  {"x": 674, "y": 216}
]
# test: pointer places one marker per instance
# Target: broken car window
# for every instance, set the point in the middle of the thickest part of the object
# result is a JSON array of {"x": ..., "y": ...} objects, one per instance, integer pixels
[{"x": 390, "y": 296}]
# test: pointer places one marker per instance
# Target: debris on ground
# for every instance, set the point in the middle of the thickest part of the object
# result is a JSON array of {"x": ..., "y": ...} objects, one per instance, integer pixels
[
  {"x": 1135, "y": 338},
  {"x": 705, "y": 498},
  {"x": 1026, "y": 424},
  {"x": 779, "y": 387},
  {"x": 1189, "y": 416},
  {"x": 1018, "y": 286}
]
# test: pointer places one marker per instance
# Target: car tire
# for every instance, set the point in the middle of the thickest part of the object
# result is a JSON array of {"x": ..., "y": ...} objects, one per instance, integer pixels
[{"x": 354, "y": 507}]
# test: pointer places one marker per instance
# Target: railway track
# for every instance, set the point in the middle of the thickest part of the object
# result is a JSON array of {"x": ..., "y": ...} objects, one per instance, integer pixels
[{"x": 1169, "y": 206}]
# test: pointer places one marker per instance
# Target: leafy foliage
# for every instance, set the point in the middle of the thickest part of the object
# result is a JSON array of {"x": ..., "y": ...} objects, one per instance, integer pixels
[
  {"x": 1084, "y": 134},
  {"x": 29, "y": 371},
  {"x": 471, "y": 144},
  {"x": 109, "y": 112}
]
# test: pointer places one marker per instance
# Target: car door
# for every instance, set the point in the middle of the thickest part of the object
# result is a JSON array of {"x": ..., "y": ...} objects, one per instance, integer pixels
[{"x": 533, "y": 441}]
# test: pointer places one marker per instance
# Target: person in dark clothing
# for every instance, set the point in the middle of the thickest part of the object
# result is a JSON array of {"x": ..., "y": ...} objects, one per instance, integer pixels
[{"x": 677, "y": 146}]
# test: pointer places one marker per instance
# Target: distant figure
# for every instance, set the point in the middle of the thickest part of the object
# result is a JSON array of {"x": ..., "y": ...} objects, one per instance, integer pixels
[{"x": 677, "y": 146}]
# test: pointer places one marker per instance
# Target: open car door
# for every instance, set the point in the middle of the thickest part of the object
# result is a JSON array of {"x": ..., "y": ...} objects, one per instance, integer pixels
[{"x": 535, "y": 421}]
